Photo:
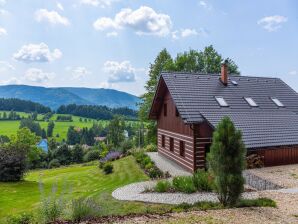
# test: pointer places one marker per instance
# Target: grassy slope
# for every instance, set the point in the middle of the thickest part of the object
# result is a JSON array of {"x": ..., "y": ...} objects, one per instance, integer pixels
[{"x": 76, "y": 180}]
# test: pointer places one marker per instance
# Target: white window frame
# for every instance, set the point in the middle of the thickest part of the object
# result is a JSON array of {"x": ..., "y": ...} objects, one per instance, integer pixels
[
  {"x": 221, "y": 101},
  {"x": 277, "y": 102},
  {"x": 251, "y": 101}
]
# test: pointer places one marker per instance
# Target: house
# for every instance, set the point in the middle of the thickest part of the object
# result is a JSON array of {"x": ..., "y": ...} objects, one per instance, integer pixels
[
  {"x": 43, "y": 144},
  {"x": 189, "y": 106}
]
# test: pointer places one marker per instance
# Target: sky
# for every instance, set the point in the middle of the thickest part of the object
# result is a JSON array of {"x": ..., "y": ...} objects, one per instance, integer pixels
[{"x": 111, "y": 43}]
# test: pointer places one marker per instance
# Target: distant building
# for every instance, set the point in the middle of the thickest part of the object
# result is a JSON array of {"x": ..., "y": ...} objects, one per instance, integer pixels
[
  {"x": 43, "y": 144},
  {"x": 100, "y": 139}
]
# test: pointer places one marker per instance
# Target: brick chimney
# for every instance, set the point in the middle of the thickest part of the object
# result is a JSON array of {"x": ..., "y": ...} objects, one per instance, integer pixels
[{"x": 224, "y": 73}]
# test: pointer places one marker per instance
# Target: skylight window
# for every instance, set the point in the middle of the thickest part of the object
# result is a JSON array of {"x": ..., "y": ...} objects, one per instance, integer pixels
[
  {"x": 221, "y": 101},
  {"x": 251, "y": 102},
  {"x": 277, "y": 102}
]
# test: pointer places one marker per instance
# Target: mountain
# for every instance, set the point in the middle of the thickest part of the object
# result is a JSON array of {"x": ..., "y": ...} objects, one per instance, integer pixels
[{"x": 55, "y": 97}]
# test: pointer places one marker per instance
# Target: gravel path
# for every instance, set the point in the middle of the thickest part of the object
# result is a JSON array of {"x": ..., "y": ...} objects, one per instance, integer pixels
[
  {"x": 166, "y": 165},
  {"x": 134, "y": 192}
]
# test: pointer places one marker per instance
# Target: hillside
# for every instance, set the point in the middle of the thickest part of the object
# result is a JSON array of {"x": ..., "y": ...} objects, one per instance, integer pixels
[{"x": 55, "y": 97}]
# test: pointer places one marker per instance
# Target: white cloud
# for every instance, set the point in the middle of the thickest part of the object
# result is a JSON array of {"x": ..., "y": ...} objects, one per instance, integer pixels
[
  {"x": 112, "y": 34},
  {"x": 37, "y": 53},
  {"x": 38, "y": 75},
  {"x": 272, "y": 23},
  {"x": 3, "y": 12},
  {"x": 144, "y": 21},
  {"x": 3, "y": 31},
  {"x": 2, "y": 2},
  {"x": 205, "y": 5},
  {"x": 189, "y": 32},
  {"x": 101, "y": 3},
  {"x": 11, "y": 81},
  {"x": 60, "y": 6},
  {"x": 293, "y": 72},
  {"x": 51, "y": 17},
  {"x": 183, "y": 33},
  {"x": 108, "y": 85},
  {"x": 120, "y": 71},
  {"x": 5, "y": 66},
  {"x": 78, "y": 72}
]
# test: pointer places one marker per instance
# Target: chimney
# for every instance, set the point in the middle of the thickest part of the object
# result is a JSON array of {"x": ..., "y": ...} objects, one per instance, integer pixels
[{"x": 224, "y": 73}]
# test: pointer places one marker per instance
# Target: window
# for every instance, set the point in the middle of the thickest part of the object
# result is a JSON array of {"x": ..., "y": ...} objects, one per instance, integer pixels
[
  {"x": 163, "y": 141},
  {"x": 277, "y": 102},
  {"x": 177, "y": 112},
  {"x": 251, "y": 102},
  {"x": 165, "y": 112},
  {"x": 221, "y": 101},
  {"x": 182, "y": 148},
  {"x": 171, "y": 144}
]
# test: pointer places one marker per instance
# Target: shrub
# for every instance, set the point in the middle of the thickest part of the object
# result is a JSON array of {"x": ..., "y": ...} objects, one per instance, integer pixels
[
  {"x": 162, "y": 186},
  {"x": 108, "y": 168},
  {"x": 24, "y": 218},
  {"x": 125, "y": 146},
  {"x": 259, "y": 202},
  {"x": 91, "y": 155},
  {"x": 202, "y": 181},
  {"x": 112, "y": 155},
  {"x": 151, "y": 148},
  {"x": 54, "y": 163},
  {"x": 227, "y": 161},
  {"x": 83, "y": 209},
  {"x": 12, "y": 164},
  {"x": 154, "y": 173},
  {"x": 184, "y": 184}
]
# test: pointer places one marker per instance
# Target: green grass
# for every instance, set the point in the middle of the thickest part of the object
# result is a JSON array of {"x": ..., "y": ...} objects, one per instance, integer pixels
[
  {"x": 10, "y": 127},
  {"x": 77, "y": 181}
]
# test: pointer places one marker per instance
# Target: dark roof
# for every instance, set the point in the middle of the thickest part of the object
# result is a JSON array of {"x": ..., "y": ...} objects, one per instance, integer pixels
[{"x": 262, "y": 126}]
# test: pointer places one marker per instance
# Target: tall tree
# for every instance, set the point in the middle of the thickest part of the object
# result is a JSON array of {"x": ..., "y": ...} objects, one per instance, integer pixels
[
  {"x": 50, "y": 129},
  {"x": 116, "y": 131},
  {"x": 226, "y": 162}
]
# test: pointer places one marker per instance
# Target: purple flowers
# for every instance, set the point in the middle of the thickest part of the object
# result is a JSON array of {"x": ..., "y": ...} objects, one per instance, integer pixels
[{"x": 112, "y": 155}]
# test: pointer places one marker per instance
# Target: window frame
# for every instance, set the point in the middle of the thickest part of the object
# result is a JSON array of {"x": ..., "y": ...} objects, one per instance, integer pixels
[
  {"x": 171, "y": 144},
  {"x": 182, "y": 148},
  {"x": 163, "y": 141},
  {"x": 250, "y": 101},
  {"x": 277, "y": 102},
  {"x": 221, "y": 101}
]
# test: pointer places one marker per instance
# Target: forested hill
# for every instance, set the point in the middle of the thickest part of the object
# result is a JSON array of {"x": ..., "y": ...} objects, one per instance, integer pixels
[
  {"x": 22, "y": 106},
  {"x": 96, "y": 112},
  {"x": 55, "y": 97}
]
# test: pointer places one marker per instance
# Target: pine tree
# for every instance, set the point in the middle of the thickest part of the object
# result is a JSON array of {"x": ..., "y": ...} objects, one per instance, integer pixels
[
  {"x": 227, "y": 161},
  {"x": 50, "y": 129}
]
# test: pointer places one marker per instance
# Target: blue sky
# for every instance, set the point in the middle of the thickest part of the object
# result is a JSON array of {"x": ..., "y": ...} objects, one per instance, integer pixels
[{"x": 110, "y": 43}]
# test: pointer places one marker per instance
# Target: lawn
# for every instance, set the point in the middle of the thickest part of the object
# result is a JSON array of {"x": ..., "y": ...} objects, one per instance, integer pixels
[{"x": 76, "y": 181}]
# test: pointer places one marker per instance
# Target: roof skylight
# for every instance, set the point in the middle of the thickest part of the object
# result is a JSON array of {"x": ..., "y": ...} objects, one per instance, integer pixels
[
  {"x": 277, "y": 102},
  {"x": 251, "y": 102},
  {"x": 221, "y": 101}
]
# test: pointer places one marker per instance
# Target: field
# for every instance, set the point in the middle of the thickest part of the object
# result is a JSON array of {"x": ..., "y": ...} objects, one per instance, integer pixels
[
  {"x": 10, "y": 127},
  {"x": 77, "y": 180}
]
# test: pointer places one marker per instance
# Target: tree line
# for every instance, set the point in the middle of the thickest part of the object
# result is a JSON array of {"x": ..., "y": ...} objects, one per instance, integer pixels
[
  {"x": 96, "y": 112},
  {"x": 22, "y": 106}
]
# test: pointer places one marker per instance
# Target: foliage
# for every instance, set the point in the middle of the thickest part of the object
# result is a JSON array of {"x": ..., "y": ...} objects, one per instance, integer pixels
[
  {"x": 63, "y": 154},
  {"x": 50, "y": 128},
  {"x": 77, "y": 154},
  {"x": 126, "y": 145},
  {"x": 22, "y": 106},
  {"x": 151, "y": 148},
  {"x": 154, "y": 172},
  {"x": 91, "y": 155},
  {"x": 112, "y": 155},
  {"x": 31, "y": 125},
  {"x": 83, "y": 208},
  {"x": 64, "y": 118},
  {"x": 259, "y": 202},
  {"x": 116, "y": 131},
  {"x": 108, "y": 168},
  {"x": 163, "y": 186},
  {"x": 96, "y": 112},
  {"x": 226, "y": 161},
  {"x": 4, "y": 139},
  {"x": 202, "y": 181},
  {"x": 54, "y": 163},
  {"x": 184, "y": 184},
  {"x": 23, "y": 218}
]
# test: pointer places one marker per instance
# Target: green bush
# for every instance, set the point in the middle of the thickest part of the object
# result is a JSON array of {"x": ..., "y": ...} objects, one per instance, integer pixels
[
  {"x": 54, "y": 163},
  {"x": 154, "y": 173},
  {"x": 24, "y": 218},
  {"x": 82, "y": 209},
  {"x": 151, "y": 148},
  {"x": 108, "y": 168},
  {"x": 259, "y": 202},
  {"x": 51, "y": 209},
  {"x": 202, "y": 181},
  {"x": 91, "y": 155},
  {"x": 184, "y": 184},
  {"x": 162, "y": 186}
]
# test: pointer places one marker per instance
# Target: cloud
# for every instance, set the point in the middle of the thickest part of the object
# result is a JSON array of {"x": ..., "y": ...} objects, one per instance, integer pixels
[
  {"x": 183, "y": 33},
  {"x": 3, "y": 12},
  {"x": 3, "y": 31},
  {"x": 101, "y": 3},
  {"x": 293, "y": 72},
  {"x": 120, "y": 71},
  {"x": 2, "y": 2},
  {"x": 112, "y": 34},
  {"x": 205, "y": 5},
  {"x": 144, "y": 21},
  {"x": 38, "y": 75},
  {"x": 5, "y": 66},
  {"x": 11, "y": 81},
  {"x": 52, "y": 17},
  {"x": 272, "y": 23},
  {"x": 37, "y": 53},
  {"x": 60, "y": 6},
  {"x": 78, "y": 72}
]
